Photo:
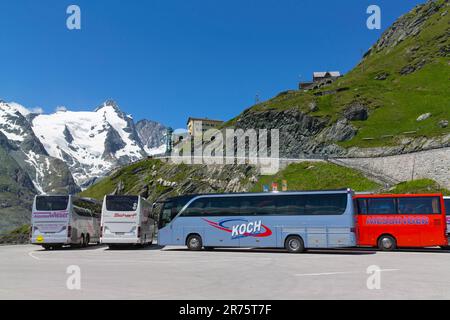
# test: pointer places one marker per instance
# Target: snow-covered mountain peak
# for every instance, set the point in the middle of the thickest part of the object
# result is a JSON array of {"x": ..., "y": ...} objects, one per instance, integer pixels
[
  {"x": 13, "y": 121},
  {"x": 109, "y": 104},
  {"x": 90, "y": 143}
]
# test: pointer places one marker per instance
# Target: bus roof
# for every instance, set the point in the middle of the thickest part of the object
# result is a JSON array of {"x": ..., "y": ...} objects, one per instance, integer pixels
[
  {"x": 68, "y": 195},
  {"x": 406, "y": 195},
  {"x": 258, "y": 193}
]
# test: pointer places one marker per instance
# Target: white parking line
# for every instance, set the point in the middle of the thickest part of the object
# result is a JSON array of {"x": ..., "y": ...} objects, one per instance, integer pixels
[
  {"x": 31, "y": 254},
  {"x": 338, "y": 273}
]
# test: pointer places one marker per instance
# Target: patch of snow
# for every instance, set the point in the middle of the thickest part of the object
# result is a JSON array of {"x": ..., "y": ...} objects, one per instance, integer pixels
[{"x": 156, "y": 151}]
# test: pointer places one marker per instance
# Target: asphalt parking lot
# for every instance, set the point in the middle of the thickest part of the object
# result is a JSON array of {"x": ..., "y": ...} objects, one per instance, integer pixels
[{"x": 28, "y": 272}]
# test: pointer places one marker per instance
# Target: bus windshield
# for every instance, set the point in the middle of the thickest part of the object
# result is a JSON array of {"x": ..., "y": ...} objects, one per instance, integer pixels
[
  {"x": 171, "y": 208},
  {"x": 122, "y": 203},
  {"x": 52, "y": 203}
]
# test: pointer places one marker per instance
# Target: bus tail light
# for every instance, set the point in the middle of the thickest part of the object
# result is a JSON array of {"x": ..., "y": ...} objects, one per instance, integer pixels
[
  {"x": 69, "y": 232},
  {"x": 139, "y": 232}
]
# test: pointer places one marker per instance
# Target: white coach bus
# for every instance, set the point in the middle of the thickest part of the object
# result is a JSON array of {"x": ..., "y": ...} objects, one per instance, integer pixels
[
  {"x": 65, "y": 220},
  {"x": 127, "y": 220}
]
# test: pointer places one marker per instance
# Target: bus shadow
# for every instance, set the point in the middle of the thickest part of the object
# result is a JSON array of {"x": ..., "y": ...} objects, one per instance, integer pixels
[
  {"x": 424, "y": 250},
  {"x": 413, "y": 250},
  {"x": 75, "y": 248},
  {"x": 152, "y": 247},
  {"x": 350, "y": 252}
]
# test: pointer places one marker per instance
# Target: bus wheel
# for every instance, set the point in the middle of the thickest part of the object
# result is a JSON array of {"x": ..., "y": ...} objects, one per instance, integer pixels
[
  {"x": 194, "y": 242},
  {"x": 387, "y": 243},
  {"x": 88, "y": 240},
  {"x": 294, "y": 244}
]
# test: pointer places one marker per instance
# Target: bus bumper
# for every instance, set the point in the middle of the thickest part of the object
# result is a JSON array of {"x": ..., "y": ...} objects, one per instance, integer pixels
[
  {"x": 43, "y": 240},
  {"x": 120, "y": 241}
]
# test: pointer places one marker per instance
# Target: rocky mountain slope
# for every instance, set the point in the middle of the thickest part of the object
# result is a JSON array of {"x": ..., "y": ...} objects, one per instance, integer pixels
[
  {"x": 16, "y": 188},
  {"x": 396, "y": 100},
  {"x": 48, "y": 174},
  {"x": 151, "y": 134},
  {"x": 156, "y": 180}
]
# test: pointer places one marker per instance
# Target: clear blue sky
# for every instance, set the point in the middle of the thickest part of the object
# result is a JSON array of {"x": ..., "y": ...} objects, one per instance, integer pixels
[{"x": 167, "y": 60}]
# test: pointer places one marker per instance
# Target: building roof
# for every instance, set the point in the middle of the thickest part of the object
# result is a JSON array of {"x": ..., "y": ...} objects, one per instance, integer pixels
[
  {"x": 323, "y": 74},
  {"x": 203, "y": 119}
]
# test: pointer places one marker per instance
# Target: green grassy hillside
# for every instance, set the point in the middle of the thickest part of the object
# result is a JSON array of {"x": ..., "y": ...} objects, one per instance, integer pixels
[
  {"x": 318, "y": 176},
  {"x": 416, "y": 75},
  {"x": 420, "y": 186}
]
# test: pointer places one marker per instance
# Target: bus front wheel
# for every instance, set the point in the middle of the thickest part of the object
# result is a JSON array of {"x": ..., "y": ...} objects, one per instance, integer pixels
[
  {"x": 194, "y": 242},
  {"x": 294, "y": 244},
  {"x": 387, "y": 243}
]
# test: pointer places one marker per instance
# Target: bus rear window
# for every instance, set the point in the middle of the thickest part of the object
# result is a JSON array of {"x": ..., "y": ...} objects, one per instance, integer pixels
[
  {"x": 122, "y": 203},
  {"x": 419, "y": 205},
  {"x": 53, "y": 203}
]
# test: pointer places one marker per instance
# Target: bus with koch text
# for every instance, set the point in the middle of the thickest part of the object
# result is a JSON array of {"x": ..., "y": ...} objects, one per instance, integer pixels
[
  {"x": 407, "y": 220},
  {"x": 127, "y": 220},
  {"x": 295, "y": 221},
  {"x": 57, "y": 221}
]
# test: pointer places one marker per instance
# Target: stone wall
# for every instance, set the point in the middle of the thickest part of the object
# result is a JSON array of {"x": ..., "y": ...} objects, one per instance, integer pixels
[{"x": 431, "y": 164}]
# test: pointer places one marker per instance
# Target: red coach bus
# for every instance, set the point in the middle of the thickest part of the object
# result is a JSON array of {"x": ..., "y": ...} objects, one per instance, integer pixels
[{"x": 392, "y": 221}]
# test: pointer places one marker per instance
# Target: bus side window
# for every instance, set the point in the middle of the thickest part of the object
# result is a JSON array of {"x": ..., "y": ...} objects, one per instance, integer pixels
[
  {"x": 361, "y": 206},
  {"x": 381, "y": 206},
  {"x": 419, "y": 205},
  {"x": 291, "y": 205},
  {"x": 217, "y": 207},
  {"x": 447, "y": 207},
  {"x": 195, "y": 209}
]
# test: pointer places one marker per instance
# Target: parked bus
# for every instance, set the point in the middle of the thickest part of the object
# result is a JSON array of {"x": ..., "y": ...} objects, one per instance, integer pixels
[
  {"x": 292, "y": 220},
  {"x": 391, "y": 221},
  {"x": 65, "y": 220},
  {"x": 127, "y": 220}
]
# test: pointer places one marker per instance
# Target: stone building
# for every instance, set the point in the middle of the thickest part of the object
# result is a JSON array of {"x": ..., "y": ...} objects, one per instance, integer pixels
[{"x": 201, "y": 125}]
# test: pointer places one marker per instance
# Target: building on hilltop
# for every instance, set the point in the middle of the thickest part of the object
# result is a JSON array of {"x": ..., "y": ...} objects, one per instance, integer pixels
[
  {"x": 198, "y": 126},
  {"x": 320, "y": 76},
  {"x": 320, "y": 79}
]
